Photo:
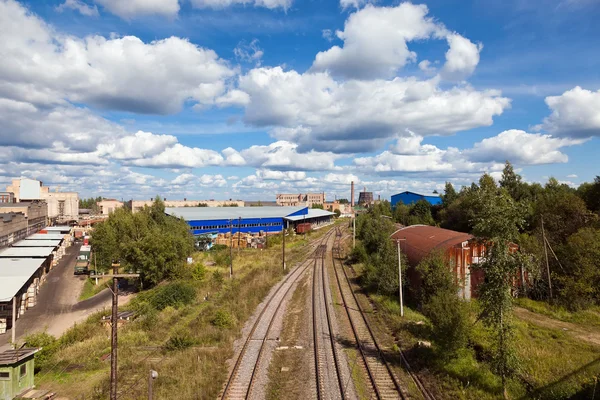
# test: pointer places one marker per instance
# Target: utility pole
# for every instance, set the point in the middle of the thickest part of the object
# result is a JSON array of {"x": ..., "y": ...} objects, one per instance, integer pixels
[
  {"x": 400, "y": 278},
  {"x": 113, "y": 320},
  {"x": 14, "y": 323},
  {"x": 283, "y": 253},
  {"x": 151, "y": 377},
  {"x": 353, "y": 230},
  {"x": 239, "y": 233},
  {"x": 230, "y": 249},
  {"x": 547, "y": 263}
]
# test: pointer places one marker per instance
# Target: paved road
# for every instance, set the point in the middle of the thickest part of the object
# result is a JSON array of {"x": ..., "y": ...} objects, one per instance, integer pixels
[{"x": 57, "y": 307}]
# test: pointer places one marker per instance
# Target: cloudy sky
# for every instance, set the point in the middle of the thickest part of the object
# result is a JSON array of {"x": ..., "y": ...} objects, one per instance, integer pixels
[{"x": 247, "y": 98}]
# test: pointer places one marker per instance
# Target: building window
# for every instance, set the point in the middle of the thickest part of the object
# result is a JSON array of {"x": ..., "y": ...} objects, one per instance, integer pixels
[
  {"x": 22, "y": 370},
  {"x": 4, "y": 376},
  {"x": 61, "y": 207}
]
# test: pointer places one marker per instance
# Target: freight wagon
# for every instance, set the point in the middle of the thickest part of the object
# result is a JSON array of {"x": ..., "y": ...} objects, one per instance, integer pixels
[{"x": 303, "y": 228}]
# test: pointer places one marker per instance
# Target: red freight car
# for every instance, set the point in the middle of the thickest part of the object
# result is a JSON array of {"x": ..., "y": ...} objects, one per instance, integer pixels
[{"x": 303, "y": 228}]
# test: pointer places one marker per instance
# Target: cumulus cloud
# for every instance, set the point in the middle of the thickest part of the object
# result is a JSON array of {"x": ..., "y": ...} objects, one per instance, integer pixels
[
  {"x": 461, "y": 58},
  {"x": 44, "y": 67},
  {"x": 249, "y": 52},
  {"x": 271, "y": 4},
  {"x": 518, "y": 147},
  {"x": 320, "y": 113},
  {"x": 340, "y": 179},
  {"x": 80, "y": 6},
  {"x": 140, "y": 145},
  {"x": 267, "y": 174},
  {"x": 134, "y": 8},
  {"x": 352, "y": 3},
  {"x": 575, "y": 113},
  {"x": 427, "y": 67},
  {"x": 283, "y": 156}
]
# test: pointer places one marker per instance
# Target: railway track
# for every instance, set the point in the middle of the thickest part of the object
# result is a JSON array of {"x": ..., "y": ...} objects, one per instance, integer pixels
[
  {"x": 241, "y": 381},
  {"x": 384, "y": 383},
  {"x": 328, "y": 370}
]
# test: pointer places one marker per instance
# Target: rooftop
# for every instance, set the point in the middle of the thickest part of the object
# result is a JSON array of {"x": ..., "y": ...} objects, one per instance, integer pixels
[
  {"x": 221, "y": 213},
  {"x": 421, "y": 240},
  {"x": 25, "y": 252},
  {"x": 57, "y": 228},
  {"x": 437, "y": 195},
  {"x": 37, "y": 243},
  {"x": 312, "y": 213},
  {"x": 10, "y": 357},
  {"x": 14, "y": 273},
  {"x": 45, "y": 236}
]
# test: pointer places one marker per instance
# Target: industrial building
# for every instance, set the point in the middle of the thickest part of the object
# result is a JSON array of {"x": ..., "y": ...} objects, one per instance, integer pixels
[
  {"x": 215, "y": 220},
  {"x": 300, "y": 199},
  {"x": 460, "y": 250},
  {"x": 17, "y": 220},
  {"x": 62, "y": 206},
  {"x": 366, "y": 198},
  {"x": 411, "y": 197},
  {"x": 108, "y": 206}
]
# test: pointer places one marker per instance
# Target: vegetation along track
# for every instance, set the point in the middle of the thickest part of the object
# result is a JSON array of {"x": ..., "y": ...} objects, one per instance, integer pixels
[
  {"x": 241, "y": 380},
  {"x": 329, "y": 380},
  {"x": 384, "y": 383}
]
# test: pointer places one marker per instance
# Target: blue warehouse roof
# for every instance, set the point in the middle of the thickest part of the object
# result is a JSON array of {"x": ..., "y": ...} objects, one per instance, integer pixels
[
  {"x": 411, "y": 197},
  {"x": 312, "y": 213},
  {"x": 226, "y": 213}
]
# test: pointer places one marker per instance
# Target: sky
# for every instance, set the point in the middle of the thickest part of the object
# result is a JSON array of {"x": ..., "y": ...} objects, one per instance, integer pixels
[{"x": 244, "y": 99}]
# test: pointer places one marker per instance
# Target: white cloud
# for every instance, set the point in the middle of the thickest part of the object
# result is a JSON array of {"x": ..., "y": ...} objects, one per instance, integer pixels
[
  {"x": 352, "y": 3},
  {"x": 78, "y": 5},
  {"x": 461, "y": 58},
  {"x": 516, "y": 146},
  {"x": 179, "y": 155},
  {"x": 271, "y": 4},
  {"x": 426, "y": 67},
  {"x": 44, "y": 67},
  {"x": 249, "y": 53},
  {"x": 317, "y": 112},
  {"x": 575, "y": 113},
  {"x": 233, "y": 157},
  {"x": 267, "y": 174},
  {"x": 140, "y": 145},
  {"x": 572, "y": 176},
  {"x": 328, "y": 35},
  {"x": 283, "y": 156},
  {"x": 128, "y": 9},
  {"x": 183, "y": 179},
  {"x": 522, "y": 148},
  {"x": 340, "y": 179},
  {"x": 375, "y": 41}
]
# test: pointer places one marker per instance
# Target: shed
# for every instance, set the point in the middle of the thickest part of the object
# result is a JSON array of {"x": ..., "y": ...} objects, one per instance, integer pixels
[
  {"x": 26, "y": 252},
  {"x": 316, "y": 217},
  {"x": 45, "y": 236},
  {"x": 57, "y": 229},
  {"x": 461, "y": 250},
  {"x": 412, "y": 197},
  {"x": 37, "y": 243},
  {"x": 16, "y": 372}
]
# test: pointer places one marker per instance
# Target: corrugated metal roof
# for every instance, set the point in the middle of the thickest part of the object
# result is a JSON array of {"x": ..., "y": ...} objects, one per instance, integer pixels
[
  {"x": 45, "y": 236},
  {"x": 57, "y": 228},
  {"x": 14, "y": 273},
  {"x": 423, "y": 239},
  {"x": 220, "y": 213},
  {"x": 26, "y": 252},
  {"x": 37, "y": 243},
  {"x": 312, "y": 213}
]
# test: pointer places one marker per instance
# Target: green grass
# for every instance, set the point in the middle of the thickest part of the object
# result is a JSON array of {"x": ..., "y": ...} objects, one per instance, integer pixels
[
  {"x": 90, "y": 289},
  {"x": 589, "y": 317},
  {"x": 188, "y": 344}
]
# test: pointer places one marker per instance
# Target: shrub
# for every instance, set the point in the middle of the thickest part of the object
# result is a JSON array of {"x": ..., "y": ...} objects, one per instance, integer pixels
[
  {"x": 199, "y": 273},
  {"x": 179, "y": 341},
  {"x": 49, "y": 346},
  {"x": 449, "y": 316},
  {"x": 217, "y": 278},
  {"x": 174, "y": 294},
  {"x": 223, "y": 319},
  {"x": 222, "y": 258}
]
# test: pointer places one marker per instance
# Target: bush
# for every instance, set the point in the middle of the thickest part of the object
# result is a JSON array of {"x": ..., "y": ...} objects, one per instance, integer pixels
[
  {"x": 179, "y": 341},
  {"x": 174, "y": 294},
  {"x": 222, "y": 258},
  {"x": 49, "y": 346},
  {"x": 449, "y": 316},
  {"x": 359, "y": 254},
  {"x": 223, "y": 319},
  {"x": 199, "y": 272},
  {"x": 218, "y": 247}
]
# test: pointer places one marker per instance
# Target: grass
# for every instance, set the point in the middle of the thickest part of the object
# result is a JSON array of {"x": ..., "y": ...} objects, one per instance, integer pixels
[
  {"x": 553, "y": 363},
  {"x": 90, "y": 289},
  {"x": 187, "y": 344},
  {"x": 589, "y": 318}
]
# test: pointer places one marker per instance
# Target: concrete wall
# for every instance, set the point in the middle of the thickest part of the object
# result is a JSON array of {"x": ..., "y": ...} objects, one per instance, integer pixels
[
  {"x": 106, "y": 207},
  {"x": 13, "y": 227},
  {"x": 35, "y": 212},
  {"x": 70, "y": 201}
]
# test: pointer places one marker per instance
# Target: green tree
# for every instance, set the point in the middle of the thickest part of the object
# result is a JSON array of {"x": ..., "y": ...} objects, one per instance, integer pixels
[
  {"x": 497, "y": 222},
  {"x": 511, "y": 181},
  {"x": 401, "y": 213},
  {"x": 202, "y": 205},
  {"x": 317, "y": 206},
  {"x": 421, "y": 211},
  {"x": 449, "y": 195},
  {"x": 343, "y": 201},
  {"x": 337, "y": 212},
  {"x": 590, "y": 193}
]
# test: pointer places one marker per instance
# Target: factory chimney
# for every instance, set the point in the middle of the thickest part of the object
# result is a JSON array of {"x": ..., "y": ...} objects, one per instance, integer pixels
[{"x": 352, "y": 194}]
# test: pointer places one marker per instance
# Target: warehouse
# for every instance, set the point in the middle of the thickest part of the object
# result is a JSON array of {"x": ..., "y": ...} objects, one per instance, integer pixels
[
  {"x": 45, "y": 236},
  {"x": 461, "y": 251},
  {"x": 19, "y": 284},
  {"x": 316, "y": 217},
  {"x": 204, "y": 220},
  {"x": 38, "y": 243},
  {"x": 412, "y": 197}
]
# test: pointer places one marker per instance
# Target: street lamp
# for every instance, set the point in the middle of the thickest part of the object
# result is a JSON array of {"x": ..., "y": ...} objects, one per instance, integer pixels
[
  {"x": 400, "y": 277},
  {"x": 152, "y": 376}
]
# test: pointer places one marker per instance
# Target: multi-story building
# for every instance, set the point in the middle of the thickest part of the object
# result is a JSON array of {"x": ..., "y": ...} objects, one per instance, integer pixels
[
  {"x": 293, "y": 200},
  {"x": 137, "y": 205},
  {"x": 107, "y": 206},
  {"x": 61, "y": 205},
  {"x": 7, "y": 197},
  {"x": 19, "y": 220}
]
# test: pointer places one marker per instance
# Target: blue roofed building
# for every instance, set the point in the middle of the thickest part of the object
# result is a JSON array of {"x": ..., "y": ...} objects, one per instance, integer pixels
[
  {"x": 212, "y": 220},
  {"x": 411, "y": 197}
]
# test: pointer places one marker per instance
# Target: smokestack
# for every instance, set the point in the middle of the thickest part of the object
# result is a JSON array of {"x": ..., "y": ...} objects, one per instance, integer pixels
[
  {"x": 352, "y": 194},
  {"x": 379, "y": 197}
]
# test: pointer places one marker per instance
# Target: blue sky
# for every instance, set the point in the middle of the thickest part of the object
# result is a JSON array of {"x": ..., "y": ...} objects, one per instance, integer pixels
[{"x": 249, "y": 98}]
